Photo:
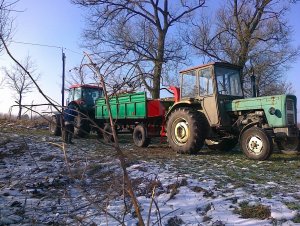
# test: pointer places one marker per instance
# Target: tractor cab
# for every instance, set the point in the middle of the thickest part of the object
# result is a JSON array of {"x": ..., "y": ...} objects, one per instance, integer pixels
[
  {"x": 212, "y": 85},
  {"x": 84, "y": 96}
]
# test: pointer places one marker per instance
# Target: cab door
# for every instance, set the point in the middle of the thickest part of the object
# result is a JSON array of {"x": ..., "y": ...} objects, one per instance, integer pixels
[{"x": 207, "y": 95}]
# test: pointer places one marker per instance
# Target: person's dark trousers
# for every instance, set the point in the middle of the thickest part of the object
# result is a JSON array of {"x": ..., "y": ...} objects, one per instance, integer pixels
[{"x": 68, "y": 133}]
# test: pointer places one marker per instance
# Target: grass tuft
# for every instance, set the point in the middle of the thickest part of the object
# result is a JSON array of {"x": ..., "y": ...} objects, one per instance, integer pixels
[
  {"x": 297, "y": 218},
  {"x": 293, "y": 205},
  {"x": 173, "y": 188},
  {"x": 256, "y": 211}
]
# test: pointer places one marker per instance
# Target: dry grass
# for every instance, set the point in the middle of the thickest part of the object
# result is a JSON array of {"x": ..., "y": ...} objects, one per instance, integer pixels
[
  {"x": 173, "y": 189},
  {"x": 258, "y": 211},
  {"x": 37, "y": 125}
]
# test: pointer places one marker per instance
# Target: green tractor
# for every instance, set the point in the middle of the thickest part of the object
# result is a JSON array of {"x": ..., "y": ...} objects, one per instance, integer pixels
[
  {"x": 211, "y": 110},
  {"x": 84, "y": 98}
]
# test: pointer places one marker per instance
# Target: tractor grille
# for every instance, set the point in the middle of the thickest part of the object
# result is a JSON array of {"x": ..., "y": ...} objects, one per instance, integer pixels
[
  {"x": 290, "y": 119},
  {"x": 290, "y": 112},
  {"x": 289, "y": 105}
]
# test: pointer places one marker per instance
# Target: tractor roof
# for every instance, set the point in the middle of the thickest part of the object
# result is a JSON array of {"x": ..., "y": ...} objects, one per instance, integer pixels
[
  {"x": 85, "y": 86},
  {"x": 222, "y": 64}
]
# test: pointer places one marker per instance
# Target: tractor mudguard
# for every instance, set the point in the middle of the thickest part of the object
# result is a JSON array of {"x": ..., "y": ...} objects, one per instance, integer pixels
[{"x": 190, "y": 103}]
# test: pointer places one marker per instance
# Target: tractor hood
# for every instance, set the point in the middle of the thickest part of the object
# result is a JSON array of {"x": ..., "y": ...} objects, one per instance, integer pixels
[{"x": 280, "y": 110}]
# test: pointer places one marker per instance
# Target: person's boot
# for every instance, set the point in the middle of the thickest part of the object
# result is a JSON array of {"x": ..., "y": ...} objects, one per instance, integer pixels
[
  {"x": 70, "y": 139},
  {"x": 65, "y": 137}
]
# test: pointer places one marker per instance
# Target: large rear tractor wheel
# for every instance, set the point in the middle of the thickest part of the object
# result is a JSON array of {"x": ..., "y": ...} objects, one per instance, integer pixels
[
  {"x": 226, "y": 144},
  {"x": 256, "y": 144},
  {"x": 55, "y": 125},
  {"x": 289, "y": 146},
  {"x": 140, "y": 137},
  {"x": 82, "y": 126},
  {"x": 186, "y": 130}
]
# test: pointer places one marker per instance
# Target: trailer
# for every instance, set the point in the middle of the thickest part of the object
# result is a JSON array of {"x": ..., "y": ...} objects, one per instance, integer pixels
[
  {"x": 210, "y": 109},
  {"x": 134, "y": 112}
]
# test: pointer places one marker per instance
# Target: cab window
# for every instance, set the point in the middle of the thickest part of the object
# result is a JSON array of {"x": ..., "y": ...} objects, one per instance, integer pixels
[
  {"x": 77, "y": 94},
  {"x": 205, "y": 82},
  {"x": 189, "y": 85},
  {"x": 228, "y": 81}
]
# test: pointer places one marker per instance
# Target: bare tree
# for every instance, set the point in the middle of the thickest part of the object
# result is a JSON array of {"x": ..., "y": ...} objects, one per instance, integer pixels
[
  {"x": 6, "y": 19},
  {"x": 138, "y": 36},
  {"x": 252, "y": 34},
  {"x": 77, "y": 75},
  {"x": 18, "y": 81},
  {"x": 278, "y": 88}
]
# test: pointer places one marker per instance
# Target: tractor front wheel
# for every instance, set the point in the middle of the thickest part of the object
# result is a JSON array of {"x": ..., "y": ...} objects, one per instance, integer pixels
[
  {"x": 256, "y": 144},
  {"x": 186, "y": 130}
]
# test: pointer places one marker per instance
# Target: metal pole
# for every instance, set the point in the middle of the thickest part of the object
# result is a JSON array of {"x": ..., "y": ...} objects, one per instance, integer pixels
[{"x": 63, "y": 78}]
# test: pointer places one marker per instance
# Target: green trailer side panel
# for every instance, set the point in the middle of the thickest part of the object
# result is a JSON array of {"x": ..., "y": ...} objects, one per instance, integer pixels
[
  {"x": 127, "y": 106},
  {"x": 264, "y": 103}
]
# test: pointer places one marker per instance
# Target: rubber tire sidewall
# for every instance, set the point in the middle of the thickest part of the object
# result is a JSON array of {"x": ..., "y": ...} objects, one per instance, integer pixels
[
  {"x": 99, "y": 131},
  {"x": 54, "y": 125},
  {"x": 81, "y": 126},
  {"x": 140, "y": 130},
  {"x": 264, "y": 137},
  {"x": 108, "y": 138},
  {"x": 197, "y": 129}
]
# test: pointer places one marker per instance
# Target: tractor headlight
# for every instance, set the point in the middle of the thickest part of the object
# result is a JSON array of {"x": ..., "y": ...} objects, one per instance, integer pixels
[{"x": 272, "y": 111}]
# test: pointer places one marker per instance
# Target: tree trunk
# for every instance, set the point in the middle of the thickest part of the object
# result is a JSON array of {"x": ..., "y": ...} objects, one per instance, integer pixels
[
  {"x": 158, "y": 64},
  {"x": 156, "y": 80},
  {"x": 20, "y": 106}
]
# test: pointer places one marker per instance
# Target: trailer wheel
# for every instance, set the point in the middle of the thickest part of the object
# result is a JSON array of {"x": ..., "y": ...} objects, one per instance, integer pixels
[
  {"x": 226, "y": 144},
  {"x": 140, "y": 137},
  {"x": 186, "y": 130},
  {"x": 107, "y": 134},
  {"x": 289, "y": 146},
  {"x": 54, "y": 125},
  {"x": 256, "y": 144},
  {"x": 82, "y": 126}
]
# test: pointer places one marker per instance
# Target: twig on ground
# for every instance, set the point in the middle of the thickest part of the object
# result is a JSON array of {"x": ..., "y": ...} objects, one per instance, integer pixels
[
  {"x": 150, "y": 207},
  {"x": 28, "y": 149},
  {"x": 160, "y": 218}
]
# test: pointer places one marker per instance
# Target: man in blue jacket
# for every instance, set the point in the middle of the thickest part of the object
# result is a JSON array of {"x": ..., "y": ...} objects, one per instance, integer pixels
[{"x": 69, "y": 115}]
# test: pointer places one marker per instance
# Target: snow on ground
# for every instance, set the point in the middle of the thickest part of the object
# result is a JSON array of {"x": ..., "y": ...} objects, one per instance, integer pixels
[
  {"x": 37, "y": 187},
  {"x": 206, "y": 206}
]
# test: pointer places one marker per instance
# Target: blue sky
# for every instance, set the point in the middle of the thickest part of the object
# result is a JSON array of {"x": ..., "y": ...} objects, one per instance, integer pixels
[
  {"x": 50, "y": 22},
  {"x": 59, "y": 23}
]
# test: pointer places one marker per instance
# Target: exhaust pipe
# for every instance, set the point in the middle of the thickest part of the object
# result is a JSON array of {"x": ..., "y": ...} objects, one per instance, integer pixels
[{"x": 253, "y": 85}]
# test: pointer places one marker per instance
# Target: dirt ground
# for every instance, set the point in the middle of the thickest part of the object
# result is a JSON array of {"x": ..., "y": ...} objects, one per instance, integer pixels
[{"x": 40, "y": 184}]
